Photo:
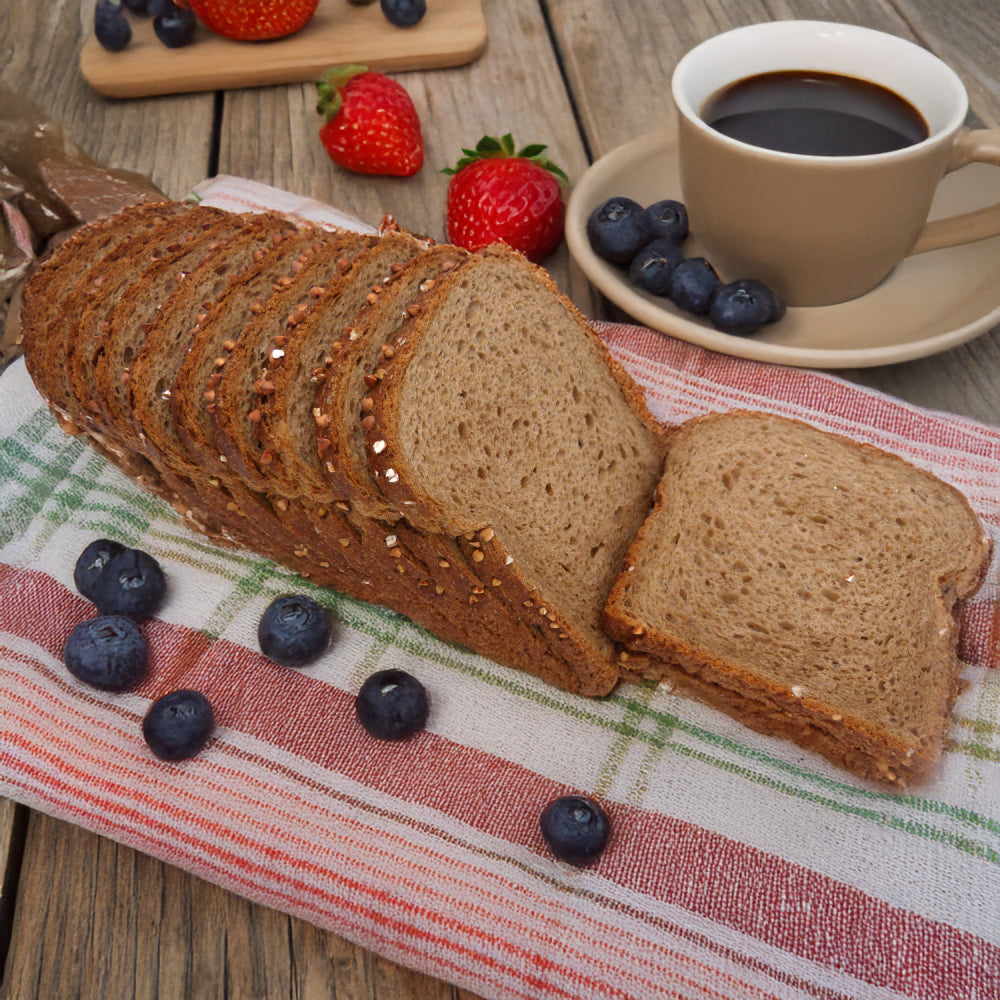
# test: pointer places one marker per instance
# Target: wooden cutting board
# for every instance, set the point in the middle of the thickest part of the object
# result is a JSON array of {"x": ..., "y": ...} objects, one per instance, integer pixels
[{"x": 451, "y": 33}]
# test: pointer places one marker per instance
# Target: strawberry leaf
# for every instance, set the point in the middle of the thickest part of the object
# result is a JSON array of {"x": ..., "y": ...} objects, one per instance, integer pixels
[
  {"x": 329, "y": 88},
  {"x": 490, "y": 147}
]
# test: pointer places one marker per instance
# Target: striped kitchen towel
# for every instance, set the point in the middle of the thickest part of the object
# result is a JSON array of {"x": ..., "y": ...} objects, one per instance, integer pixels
[{"x": 740, "y": 866}]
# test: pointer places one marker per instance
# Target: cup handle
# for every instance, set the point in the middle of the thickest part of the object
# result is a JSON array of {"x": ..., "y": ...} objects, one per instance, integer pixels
[{"x": 971, "y": 146}]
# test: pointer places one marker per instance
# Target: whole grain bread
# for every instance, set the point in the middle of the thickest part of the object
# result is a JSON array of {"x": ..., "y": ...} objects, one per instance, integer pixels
[
  {"x": 287, "y": 422},
  {"x": 449, "y": 438},
  {"x": 58, "y": 292},
  {"x": 233, "y": 407},
  {"x": 805, "y": 584},
  {"x": 500, "y": 409},
  {"x": 148, "y": 266},
  {"x": 205, "y": 271}
]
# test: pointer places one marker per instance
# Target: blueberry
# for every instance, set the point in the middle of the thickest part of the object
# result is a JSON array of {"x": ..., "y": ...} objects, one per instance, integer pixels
[
  {"x": 618, "y": 229},
  {"x": 91, "y": 562},
  {"x": 403, "y": 13},
  {"x": 776, "y": 307},
  {"x": 669, "y": 221},
  {"x": 132, "y": 584},
  {"x": 392, "y": 705},
  {"x": 174, "y": 26},
  {"x": 136, "y": 6},
  {"x": 653, "y": 266},
  {"x": 294, "y": 630},
  {"x": 111, "y": 27},
  {"x": 178, "y": 725},
  {"x": 576, "y": 829},
  {"x": 741, "y": 307},
  {"x": 109, "y": 653},
  {"x": 693, "y": 285}
]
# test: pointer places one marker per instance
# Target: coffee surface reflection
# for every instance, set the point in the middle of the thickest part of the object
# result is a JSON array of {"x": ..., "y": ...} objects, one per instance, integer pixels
[{"x": 814, "y": 113}]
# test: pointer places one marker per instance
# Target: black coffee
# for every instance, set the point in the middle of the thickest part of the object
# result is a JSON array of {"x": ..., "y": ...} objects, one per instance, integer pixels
[{"x": 819, "y": 114}]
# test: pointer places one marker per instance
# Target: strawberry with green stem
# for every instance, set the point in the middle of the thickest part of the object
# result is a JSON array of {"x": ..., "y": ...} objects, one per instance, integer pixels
[
  {"x": 371, "y": 125},
  {"x": 498, "y": 195}
]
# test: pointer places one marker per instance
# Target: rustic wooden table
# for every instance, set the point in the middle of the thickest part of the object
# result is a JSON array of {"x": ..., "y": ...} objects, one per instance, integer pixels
[{"x": 81, "y": 916}]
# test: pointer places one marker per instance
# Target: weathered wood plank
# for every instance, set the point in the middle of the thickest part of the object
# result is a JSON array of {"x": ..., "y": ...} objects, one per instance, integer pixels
[
  {"x": 515, "y": 86},
  {"x": 13, "y": 819},
  {"x": 167, "y": 139}
]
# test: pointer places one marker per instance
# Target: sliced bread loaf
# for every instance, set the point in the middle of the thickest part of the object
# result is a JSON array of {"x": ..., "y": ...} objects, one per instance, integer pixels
[
  {"x": 205, "y": 272},
  {"x": 342, "y": 401},
  {"x": 141, "y": 276},
  {"x": 805, "y": 584},
  {"x": 501, "y": 409}
]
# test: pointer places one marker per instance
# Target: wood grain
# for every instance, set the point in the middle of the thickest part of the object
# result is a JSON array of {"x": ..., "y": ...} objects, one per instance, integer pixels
[
  {"x": 167, "y": 139},
  {"x": 450, "y": 34},
  {"x": 515, "y": 86}
]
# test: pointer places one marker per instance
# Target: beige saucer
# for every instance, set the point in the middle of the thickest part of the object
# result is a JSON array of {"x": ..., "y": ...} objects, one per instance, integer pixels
[{"x": 930, "y": 303}]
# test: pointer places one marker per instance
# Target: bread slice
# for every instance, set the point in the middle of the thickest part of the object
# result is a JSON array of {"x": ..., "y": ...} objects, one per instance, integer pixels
[
  {"x": 287, "y": 424},
  {"x": 453, "y": 600},
  {"x": 155, "y": 368},
  {"x": 151, "y": 264},
  {"x": 233, "y": 407},
  {"x": 500, "y": 412},
  {"x": 805, "y": 584},
  {"x": 342, "y": 400},
  {"x": 55, "y": 298},
  {"x": 204, "y": 271},
  {"x": 338, "y": 414}
]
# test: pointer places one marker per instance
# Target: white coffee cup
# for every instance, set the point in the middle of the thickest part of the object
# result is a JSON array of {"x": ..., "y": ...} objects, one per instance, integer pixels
[{"x": 823, "y": 229}]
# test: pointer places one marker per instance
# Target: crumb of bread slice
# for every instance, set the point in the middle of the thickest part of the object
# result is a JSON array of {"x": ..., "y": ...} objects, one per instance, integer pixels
[
  {"x": 501, "y": 409},
  {"x": 806, "y": 584}
]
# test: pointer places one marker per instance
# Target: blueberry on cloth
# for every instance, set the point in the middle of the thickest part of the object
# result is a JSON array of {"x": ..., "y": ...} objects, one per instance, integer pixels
[
  {"x": 178, "y": 725},
  {"x": 693, "y": 284},
  {"x": 174, "y": 26},
  {"x": 669, "y": 221},
  {"x": 109, "y": 653},
  {"x": 576, "y": 829},
  {"x": 618, "y": 229},
  {"x": 741, "y": 307},
  {"x": 91, "y": 562},
  {"x": 403, "y": 13},
  {"x": 653, "y": 266},
  {"x": 132, "y": 584},
  {"x": 294, "y": 630},
  {"x": 111, "y": 27},
  {"x": 392, "y": 705}
]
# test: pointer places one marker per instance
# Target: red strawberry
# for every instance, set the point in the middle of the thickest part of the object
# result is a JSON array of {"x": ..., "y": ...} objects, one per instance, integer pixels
[
  {"x": 496, "y": 195},
  {"x": 253, "y": 20},
  {"x": 371, "y": 125}
]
